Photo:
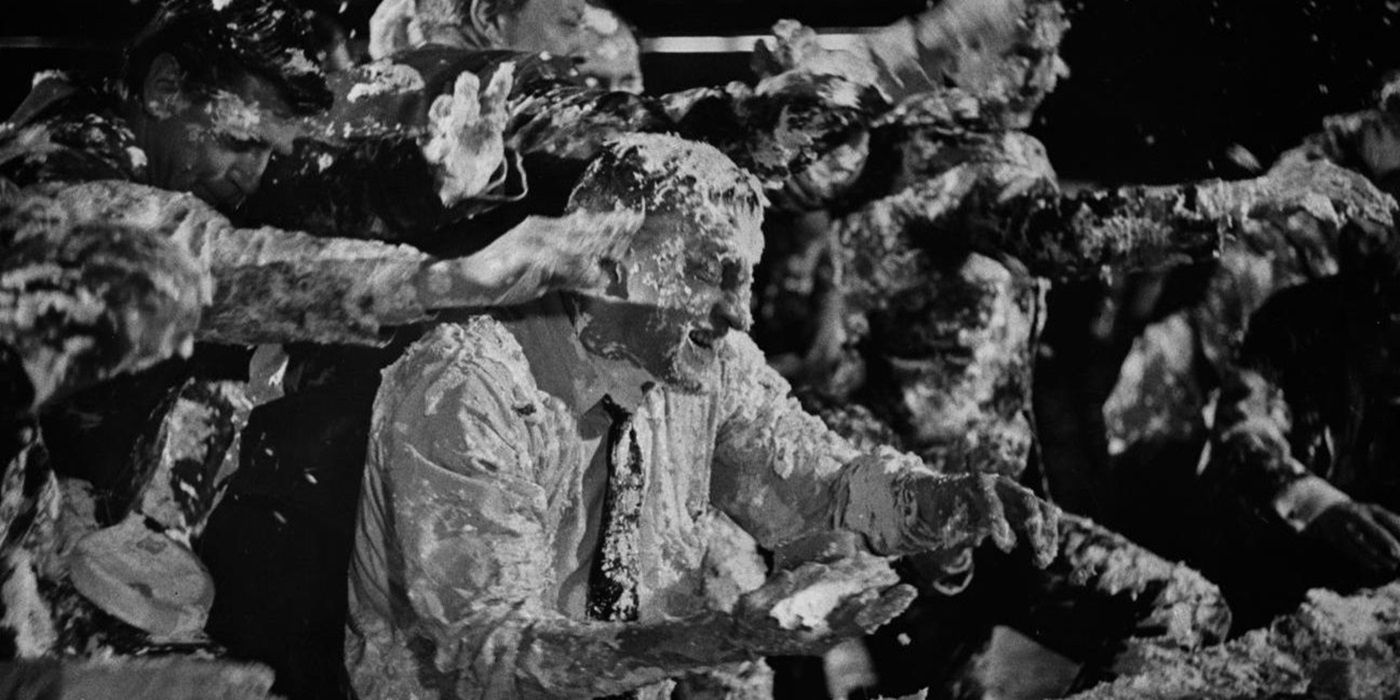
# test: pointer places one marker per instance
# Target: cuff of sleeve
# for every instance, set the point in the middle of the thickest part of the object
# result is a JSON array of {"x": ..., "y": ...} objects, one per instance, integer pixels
[
  {"x": 388, "y": 294},
  {"x": 1302, "y": 501},
  {"x": 953, "y": 577},
  {"x": 880, "y": 503}
]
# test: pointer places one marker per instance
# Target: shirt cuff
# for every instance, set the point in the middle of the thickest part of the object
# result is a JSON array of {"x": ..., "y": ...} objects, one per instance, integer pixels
[{"x": 1302, "y": 501}]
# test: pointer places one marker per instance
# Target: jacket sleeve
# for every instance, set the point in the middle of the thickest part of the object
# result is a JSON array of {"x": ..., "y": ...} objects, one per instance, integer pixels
[
  {"x": 1015, "y": 208},
  {"x": 782, "y": 474},
  {"x": 274, "y": 286},
  {"x": 377, "y": 187},
  {"x": 256, "y": 285}
]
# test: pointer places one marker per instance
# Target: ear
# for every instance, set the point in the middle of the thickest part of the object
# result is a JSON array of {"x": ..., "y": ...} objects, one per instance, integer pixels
[
  {"x": 162, "y": 91},
  {"x": 485, "y": 25}
]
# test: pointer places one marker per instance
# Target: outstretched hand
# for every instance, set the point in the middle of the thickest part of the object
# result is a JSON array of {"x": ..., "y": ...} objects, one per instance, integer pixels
[
  {"x": 572, "y": 253},
  {"x": 962, "y": 510},
  {"x": 811, "y": 608},
  {"x": 1365, "y": 534},
  {"x": 466, "y": 135}
]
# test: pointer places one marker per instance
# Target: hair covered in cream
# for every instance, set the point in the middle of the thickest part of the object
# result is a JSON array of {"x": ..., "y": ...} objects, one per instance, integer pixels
[{"x": 663, "y": 174}]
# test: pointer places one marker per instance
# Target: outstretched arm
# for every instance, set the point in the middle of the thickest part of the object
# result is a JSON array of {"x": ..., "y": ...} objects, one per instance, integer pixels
[
  {"x": 279, "y": 286},
  {"x": 1297, "y": 208},
  {"x": 1013, "y": 208},
  {"x": 1010, "y": 205},
  {"x": 111, "y": 277},
  {"x": 783, "y": 475}
]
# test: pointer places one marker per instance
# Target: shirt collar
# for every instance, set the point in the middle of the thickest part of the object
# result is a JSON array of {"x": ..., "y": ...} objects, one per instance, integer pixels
[{"x": 558, "y": 361}]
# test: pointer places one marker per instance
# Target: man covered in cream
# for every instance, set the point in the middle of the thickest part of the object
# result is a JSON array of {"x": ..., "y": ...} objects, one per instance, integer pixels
[{"x": 544, "y": 482}]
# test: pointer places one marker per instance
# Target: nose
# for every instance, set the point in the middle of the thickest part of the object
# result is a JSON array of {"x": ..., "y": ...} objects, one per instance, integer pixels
[
  {"x": 284, "y": 143},
  {"x": 249, "y": 170},
  {"x": 732, "y": 311}
]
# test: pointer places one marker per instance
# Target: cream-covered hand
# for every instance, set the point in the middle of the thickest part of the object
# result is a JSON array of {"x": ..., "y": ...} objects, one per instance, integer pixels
[
  {"x": 963, "y": 509},
  {"x": 466, "y": 142},
  {"x": 540, "y": 255},
  {"x": 816, "y": 605}
]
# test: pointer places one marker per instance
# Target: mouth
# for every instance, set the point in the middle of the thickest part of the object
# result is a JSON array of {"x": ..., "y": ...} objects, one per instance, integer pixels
[
  {"x": 236, "y": 195},
  {"x": 704, "y": 338},
  {"x": 224, "y": 198}
]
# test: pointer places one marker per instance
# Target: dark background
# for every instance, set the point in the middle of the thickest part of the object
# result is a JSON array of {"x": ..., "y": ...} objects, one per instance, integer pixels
[{"x": 1159, "y": 90}]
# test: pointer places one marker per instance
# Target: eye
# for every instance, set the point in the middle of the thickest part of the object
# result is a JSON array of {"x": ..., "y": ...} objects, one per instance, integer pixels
[
  {"x": 242, "y": 145},
  {"x": 707, "y": 271},
  {"x": 572, "y": 20},
  {"x": 735, "y": 276}
]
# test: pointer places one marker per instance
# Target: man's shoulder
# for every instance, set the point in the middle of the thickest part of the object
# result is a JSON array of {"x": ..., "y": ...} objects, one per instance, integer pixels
[
  {"x": 69, "y": 130},
  {"x": 473, "y": 358},
  {"x": 739, "y": 347},
  {"x": 741, "y": 361},
  {"x": 472, "y": 340}
]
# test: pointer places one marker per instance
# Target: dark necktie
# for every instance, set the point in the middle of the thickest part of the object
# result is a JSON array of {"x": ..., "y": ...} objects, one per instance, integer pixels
[{"x": 612, "y": 582}]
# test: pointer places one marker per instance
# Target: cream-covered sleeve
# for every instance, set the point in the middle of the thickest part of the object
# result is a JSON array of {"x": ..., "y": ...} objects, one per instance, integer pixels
[
  {"x": 257, "y": 285},
  {"x": 275, "y": 286},
  {"x": 782, "y": 475}
]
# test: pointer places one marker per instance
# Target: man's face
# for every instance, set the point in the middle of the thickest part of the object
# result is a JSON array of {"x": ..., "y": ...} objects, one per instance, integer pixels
[
  {"x": 554, "y": 26},
  {"x": 684, "y": 286},
  {"x": 610, "y": 52},
  {"x": 216, "y": 145},
  {"x": 1011, "y": 67}
]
